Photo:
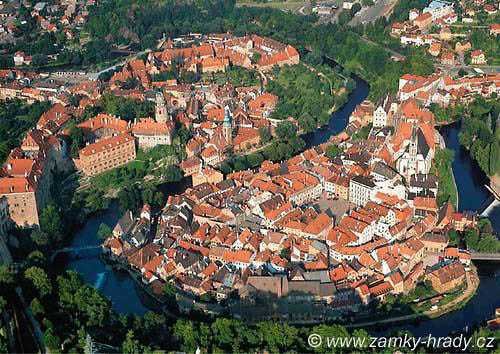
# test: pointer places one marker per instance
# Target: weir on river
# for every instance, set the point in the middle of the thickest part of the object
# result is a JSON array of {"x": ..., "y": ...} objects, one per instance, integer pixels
[
  {"x": 128, "y": 298},
  {"x": 489, "y": 209}
]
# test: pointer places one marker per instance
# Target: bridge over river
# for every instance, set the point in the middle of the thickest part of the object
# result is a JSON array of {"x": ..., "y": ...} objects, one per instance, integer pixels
[{"x": 481, "y": 256}]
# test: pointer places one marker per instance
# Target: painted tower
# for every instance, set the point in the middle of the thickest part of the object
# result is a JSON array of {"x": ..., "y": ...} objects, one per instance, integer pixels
[{"x": 161, "y": 114}]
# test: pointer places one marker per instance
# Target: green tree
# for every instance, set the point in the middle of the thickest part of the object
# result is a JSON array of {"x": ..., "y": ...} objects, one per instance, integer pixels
[
  {"x": 51, "y": 223},
  {"x": 39, "y": 280},
  {"x": 265, "y": 135},
  {"x": 332, "y": 151},
  {"x": 307, "y": 123},
  {"x": 37, "y": 307},
  {"x": 184, "y": 333},
  {"x": 51, "y": 340},
  {"x": 173, "y": 174},
  {"x": 104, "y": 231},
  {"x": 40, "y": 238},
  {"x": 131, "y": 345},
  {"x": 286, "y": 130},
  {"x": 39, "y": 60},
  {"x": 6, "y": 276},
  {"x": 3, "y": 304}
]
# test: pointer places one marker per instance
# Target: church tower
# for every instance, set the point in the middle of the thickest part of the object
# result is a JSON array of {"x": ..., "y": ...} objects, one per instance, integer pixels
[
  {"x": 161, "y": 114},
  {"x": 413, "y": 151},
  {"x": 227, "y": 125}
]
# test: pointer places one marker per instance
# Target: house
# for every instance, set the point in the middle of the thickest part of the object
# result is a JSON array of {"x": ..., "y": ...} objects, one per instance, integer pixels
[
  {"x": 124, "y": 225},
  {"x": 150, "y": 133},
  {"x": 423, "y": 21},
  {"x": 462, "y": 47},
  {"x": 445, "y": 34},
  {"x": 435, "y": 242},
  {"x": 490, "y": 9},
  {"x": 435, "y": 49},
  {"x": 191, "y": 165},
  {"x": 447, "y": 58},
  {"x": 495, "y": 29},
  {"x": 360, "y": 189},
  {"x": 207, "y": 175},
  {"x": 20, "y": 58},
  {"x": 398, "y": 28},
  {"x": 438, "y": 9},
  {"x": 425, "y": 205},
  {"x": 413, "y": 14},
  {"x": 447, "y": 276},
  {"x": 478, "y": 57},
  {"x": 454, "y": 253}
]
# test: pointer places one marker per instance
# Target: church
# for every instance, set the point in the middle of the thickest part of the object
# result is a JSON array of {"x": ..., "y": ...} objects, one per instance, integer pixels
[{"x": 153, "y": 132}]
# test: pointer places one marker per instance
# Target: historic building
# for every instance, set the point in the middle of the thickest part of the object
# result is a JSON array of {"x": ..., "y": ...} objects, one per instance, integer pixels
[
  {"x": 106, "y": 154},
  {"x": 360, "y": 189}
]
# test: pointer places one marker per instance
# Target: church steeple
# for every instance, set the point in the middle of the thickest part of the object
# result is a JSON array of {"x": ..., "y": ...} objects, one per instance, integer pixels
[
  {"x": 227, "y": 125},
  {"x": 414, "y": 142}
]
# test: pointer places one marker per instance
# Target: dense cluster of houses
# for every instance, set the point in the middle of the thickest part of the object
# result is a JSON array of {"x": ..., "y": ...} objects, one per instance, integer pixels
[
  {"x": 221, "y": 118},
  {"x": 50, "y": 17},
  {"x": 344, "y": 230},
  {"x": 445, "y": 90},
  {"x": 208, "y": 54},
  {"x": 445, "y": 45}
]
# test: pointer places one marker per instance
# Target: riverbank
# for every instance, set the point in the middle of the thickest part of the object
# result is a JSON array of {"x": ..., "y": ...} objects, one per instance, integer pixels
[{"x": 472, "y": 284}]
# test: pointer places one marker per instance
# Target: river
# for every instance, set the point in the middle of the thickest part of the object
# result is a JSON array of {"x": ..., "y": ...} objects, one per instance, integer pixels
[{"x": 127, "y": 297}]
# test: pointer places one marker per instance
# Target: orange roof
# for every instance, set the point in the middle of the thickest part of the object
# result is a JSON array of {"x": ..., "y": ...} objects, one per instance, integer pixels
[
  {"x": 244, "y": 135},
  {"x": 209, "y": 270},
  {"x": 148, "y": 126},
  {"x": 209, "y": 152},
  {"x": 403, "y": 132},
  {"x": 215, "y": 114},
  {"x": 410, "y": 109},
  {"x": 338, "y": 274},
  {"x": 105, "y": 121},
  {"x": 15, "y": 185},
  {"x": 266, "y": 100},
  {"x": 319, "y": 224},
  {"x": 423, "y": 17},
  {"x": 241, "y": 256},
  {"x": 425, "y": 203},
  {"x": 18, "y": 167},
  {"x": 153, "y": 264},
  {"x": 214, "y": 62},
  {"x": 105, "y": 144}
]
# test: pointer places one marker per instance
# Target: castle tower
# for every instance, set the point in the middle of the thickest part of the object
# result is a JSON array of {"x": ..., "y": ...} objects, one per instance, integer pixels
[
  {"x": 227, "y": 125},
  {"x": 161, "y": 114}
]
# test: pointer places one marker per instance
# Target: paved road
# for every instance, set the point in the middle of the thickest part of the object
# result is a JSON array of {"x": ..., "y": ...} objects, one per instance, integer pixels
[
  {"x": 487, "y": 69},
  {"x": 95, "y": 75},
  {"x": 372, "y": 13}
]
